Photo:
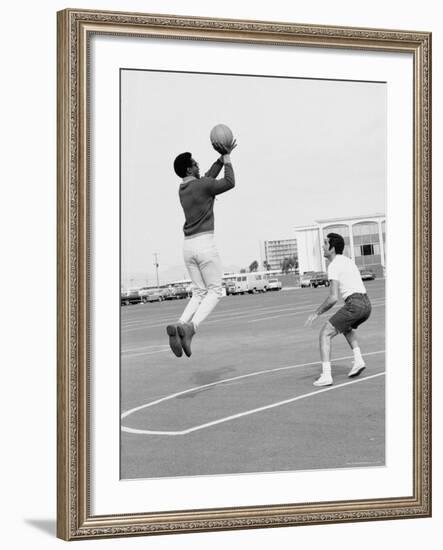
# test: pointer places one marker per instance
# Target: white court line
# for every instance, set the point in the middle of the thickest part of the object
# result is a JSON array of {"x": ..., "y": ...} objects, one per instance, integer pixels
[
  {"x": 289, "y": 310},
  {"x": 165, "y": 347},
  {"x": 242, "y": 311},
  {"x": 239, "y": 415},
  {"x": 252, "y": 411},
  {"x": 298, "y": 313},
  {"x": 225, "y": 316},
  {"x": 128, "y": 355},
  {"x": 144, "y": 348},
  {"x": 222, "y": 317},
  {"x": 218, "y": 313}
]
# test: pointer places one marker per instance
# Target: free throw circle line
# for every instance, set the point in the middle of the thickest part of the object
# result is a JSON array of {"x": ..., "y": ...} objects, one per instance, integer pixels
[
  {"x": 252, "y": 411},
  {"x": 251, "y": 374}
]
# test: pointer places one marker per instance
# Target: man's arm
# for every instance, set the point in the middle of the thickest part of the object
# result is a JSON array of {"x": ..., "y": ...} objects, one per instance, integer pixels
[
  {"x": 330, "y": 301},
  {"x": 228, "y": 181},
  {"x": 215, "y": 169}
]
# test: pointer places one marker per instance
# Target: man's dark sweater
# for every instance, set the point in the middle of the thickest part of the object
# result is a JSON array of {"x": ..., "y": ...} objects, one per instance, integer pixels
[{"x": 197, "y": 198}]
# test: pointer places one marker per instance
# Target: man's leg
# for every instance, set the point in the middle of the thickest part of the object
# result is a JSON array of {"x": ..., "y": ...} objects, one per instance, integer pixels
[
  {"x": 210, "y": 270},
  {"x": 211, "y": 273},
  {"x": 198, "y": 293},
  {"x": 359, "y": 364},
  {"x": 351, "y": 338},
  {"x": 327, "y": 332}
]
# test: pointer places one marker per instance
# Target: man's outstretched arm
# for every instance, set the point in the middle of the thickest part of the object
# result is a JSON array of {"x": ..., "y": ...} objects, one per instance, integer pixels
[
  {"x": 228, "y": 181},
  {"x": 225, "y": 183},
  {"x": 215, "y": 169},
  {"x": 330, "y": 301}
]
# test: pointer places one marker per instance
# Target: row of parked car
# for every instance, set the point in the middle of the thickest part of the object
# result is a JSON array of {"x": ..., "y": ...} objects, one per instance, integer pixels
[
  {"x": 315, "y": 279},
  {"x": 145, "y": 295},
  {"x": 247, "y": 283},
  {"x": 250, "y": 283}
]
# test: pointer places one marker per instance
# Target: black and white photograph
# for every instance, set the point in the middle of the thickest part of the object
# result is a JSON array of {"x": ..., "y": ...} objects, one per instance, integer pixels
[{"x": 253, "y": 268}]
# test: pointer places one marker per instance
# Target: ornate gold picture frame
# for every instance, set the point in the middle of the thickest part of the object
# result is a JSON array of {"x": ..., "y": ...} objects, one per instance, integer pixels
[{"x": 76, "y": 517}]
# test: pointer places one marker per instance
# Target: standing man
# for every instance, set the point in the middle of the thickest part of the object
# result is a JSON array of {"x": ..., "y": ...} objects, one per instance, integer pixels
[
  {"x": 200, "y": 253},
  {"x": 344, "y": 277}
]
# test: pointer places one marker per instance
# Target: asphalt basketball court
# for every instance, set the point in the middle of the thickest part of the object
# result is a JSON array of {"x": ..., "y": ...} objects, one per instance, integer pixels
[{"x": 244, "y": 402}]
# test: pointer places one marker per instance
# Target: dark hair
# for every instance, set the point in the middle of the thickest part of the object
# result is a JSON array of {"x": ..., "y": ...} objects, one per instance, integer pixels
[
  {"x": 336, "y": 241},
  {"x": 182, "y": 163}
]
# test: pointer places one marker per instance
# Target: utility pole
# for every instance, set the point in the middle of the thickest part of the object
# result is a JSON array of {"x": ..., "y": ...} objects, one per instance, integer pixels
[{"x": 156, "y": 264}]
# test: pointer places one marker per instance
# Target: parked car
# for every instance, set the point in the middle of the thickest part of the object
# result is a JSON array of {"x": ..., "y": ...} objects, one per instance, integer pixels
[
  {"x": 164, "y": 293},
  {"x": 176, "y": 293},
  {"x": 150, "y": 295},
  {"x": 248, "y": 282},
  {"x": 129, "y": 296},
  {"x": 367, "y": 275},
  {"x": 305, "y": 279},
  {"x": 274, "y": 284},
  {"x": 319, "y": 279},
  {"x": 229, "y": 287},
  {"x": 180, "y": 292},
  {"x": 169, "y": 294}
]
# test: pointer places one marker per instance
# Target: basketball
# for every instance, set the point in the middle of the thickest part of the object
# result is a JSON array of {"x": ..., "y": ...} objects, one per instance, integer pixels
[{"x": 221, "y": 134}]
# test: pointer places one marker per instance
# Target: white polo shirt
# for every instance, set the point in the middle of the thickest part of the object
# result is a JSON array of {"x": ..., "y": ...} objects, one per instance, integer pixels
[{"x": 344, "y": 270}]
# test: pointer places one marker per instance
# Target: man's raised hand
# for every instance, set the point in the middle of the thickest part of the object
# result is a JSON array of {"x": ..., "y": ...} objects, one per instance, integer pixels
[{"x": 224, "y": 149}]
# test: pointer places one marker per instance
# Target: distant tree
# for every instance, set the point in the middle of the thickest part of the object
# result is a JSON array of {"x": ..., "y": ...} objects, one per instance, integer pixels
[
  {"x": 242, "y": 270},
  {"x": 293, "y": 262},
  {"x": 266, "y": 265},
  {"x": 253, "y": 266},
  {"x": 285, "y": 265},
  {"x": 289, "y": 264}
]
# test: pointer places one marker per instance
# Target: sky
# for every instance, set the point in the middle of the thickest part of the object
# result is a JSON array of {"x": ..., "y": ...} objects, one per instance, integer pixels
[{"x": 308, "y": 149}]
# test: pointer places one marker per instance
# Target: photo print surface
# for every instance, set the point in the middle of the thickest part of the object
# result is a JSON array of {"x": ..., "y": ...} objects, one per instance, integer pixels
[{"x": 252, "y": 326}]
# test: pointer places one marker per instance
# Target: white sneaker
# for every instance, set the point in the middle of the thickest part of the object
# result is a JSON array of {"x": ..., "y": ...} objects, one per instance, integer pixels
[
  {"x": 357, "y": 368},
  {"x": 324, "y": 380}
]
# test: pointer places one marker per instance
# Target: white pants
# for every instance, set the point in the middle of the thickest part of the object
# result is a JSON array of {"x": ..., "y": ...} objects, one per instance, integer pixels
[{"x": 204, "y": 267}]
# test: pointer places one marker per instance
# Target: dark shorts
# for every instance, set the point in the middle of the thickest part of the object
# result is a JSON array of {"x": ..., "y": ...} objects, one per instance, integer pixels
[{"x": 356, "y": 311}]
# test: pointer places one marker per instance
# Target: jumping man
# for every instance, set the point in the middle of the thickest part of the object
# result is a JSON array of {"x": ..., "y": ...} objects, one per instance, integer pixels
[
  {"x": 200, "y": 253},
  {"x": 344, "y": 277}
]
